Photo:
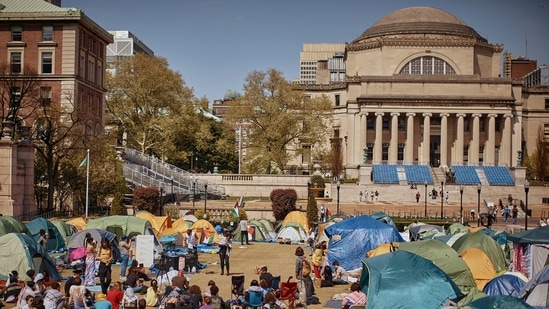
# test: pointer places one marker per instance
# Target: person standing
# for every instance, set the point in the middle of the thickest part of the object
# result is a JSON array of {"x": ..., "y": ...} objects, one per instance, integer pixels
[
  {"x": 514, "y": 214},
  {"x": 124, "y": 247},
  {"x": 243, "y": 231},
  {"x": 301, "y": 286},
  {"x": 225, "y": 246},
  {"x": 191, "y": 241},
  {"x": 43, "y": 240},
  {"x": 417, "y": 196},
  {"x": 377, "y": 195},
  {"x": 105, "y": 272},
  {"x": 506, "y": 212},
  {"x": 317, "y": 260},
  {"x": 322, "y": 213},
  {"x": 360, "y": 196},
  {"x": 91, "y": 247}
]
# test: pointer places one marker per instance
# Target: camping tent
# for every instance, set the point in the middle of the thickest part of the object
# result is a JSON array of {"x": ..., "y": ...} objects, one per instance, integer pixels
[
  {"x": 530, "y": 250},
  {"x": 66, "y": 230},
  {"x": 487, "y": 244},
  {"x": 205, "y": 232},
  {"x": 20, "y": 252},
  {"x": 158, "y": 223},
  {"x": 55, "y": 240},
  {"x": 510, "y": 283},
  {"x": 350, "y": 239},
  {"x": 398, "y": 278},
  {"x": 9, "y": 224},
  {"x": 417, "y": 231},
  {"x": 79, "y": 223},
  {"x": 499, "y": 301},
  {"x": 256, "y": 232},
  {"x": 78, "y": 239},
  {"x": 381, "y": 216},
  {"x": 295, "y": 227},
  {"x": 457, "y": 228},
  {"x": 182, "y": 225},
  {"x": 536, "y": 291}
]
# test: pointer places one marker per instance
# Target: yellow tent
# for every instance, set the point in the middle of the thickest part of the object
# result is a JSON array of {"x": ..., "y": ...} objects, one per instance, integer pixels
[
  {"x": 79, "y": 223},
  {"x": 171, "y": 231},
  {"x": 158, "y": 223},
  {"x": 297, "y": 217},
  {"x": 205, "y": 232},
  {"x": 481, "y": 266},
  {"x": 182, "y": 225},
  {"x": 381, "y": 249}
]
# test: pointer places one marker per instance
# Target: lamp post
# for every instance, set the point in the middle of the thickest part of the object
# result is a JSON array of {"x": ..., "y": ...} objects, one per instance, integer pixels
[
  {"x": 205, "y": 198},
  {"x": 441, "y": 199},
  {"x": 172, "y": 197},
  {"x": 425, "y": 183},
  {"x": 526, "y": 190},
  {"x": 338, "y": 187},
  {"x": 479, "y": 187},
  {"x": 193, "y": 183},
  {"x": 461, "y": 203},
  {"x": 160, "y": 201}
]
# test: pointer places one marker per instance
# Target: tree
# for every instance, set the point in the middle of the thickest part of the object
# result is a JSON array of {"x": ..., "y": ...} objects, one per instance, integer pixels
[
  {"x": 283, "y": 202},
  {"x": 146, "y": 199},
  {"x": 538, "y": 162},
  {"x": 312, "y": 206},
  {"x": 282, "y": 119}
]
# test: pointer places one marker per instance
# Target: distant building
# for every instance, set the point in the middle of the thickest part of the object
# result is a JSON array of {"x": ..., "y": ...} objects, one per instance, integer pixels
[
  {"x": 125, "y": 44},
  {"x": 331, "y": 57}
]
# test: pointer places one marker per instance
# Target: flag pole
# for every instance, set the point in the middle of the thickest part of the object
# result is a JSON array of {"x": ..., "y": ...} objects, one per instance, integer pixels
[{"x": 87, "y": 180}]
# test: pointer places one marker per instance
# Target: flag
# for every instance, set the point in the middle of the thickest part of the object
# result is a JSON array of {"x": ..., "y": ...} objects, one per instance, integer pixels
[
  {"x": 236, "y": 205},
  {"x": 84, "y": 162}
]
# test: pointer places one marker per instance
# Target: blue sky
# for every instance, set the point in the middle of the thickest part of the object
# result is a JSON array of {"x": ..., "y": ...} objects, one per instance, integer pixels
[{"x": 214, "y": 44}]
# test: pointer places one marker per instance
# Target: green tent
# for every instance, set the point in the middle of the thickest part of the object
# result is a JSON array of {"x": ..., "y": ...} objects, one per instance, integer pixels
[
  {"x": 55, "y": 240},
  {"x": 485, "y": 243},
  {"x": 457, "y": 228},
  {"x": 20, "y": 252},
  {"x": 9, "y": 224},
  {"x": 256, "y": 232},
  {"x": 381, "y": 216},
  {"x": 445, "y": 258},
  {"x": 64, "y": 229},
  {"x": 121, "y": 225}
]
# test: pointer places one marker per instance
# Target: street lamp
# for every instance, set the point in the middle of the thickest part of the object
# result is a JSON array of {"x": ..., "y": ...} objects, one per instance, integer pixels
[
  {"x": 338, "y": 187},
  {"x": 425, "y": 183},
  {"x": 160, "y": 201},
  {"x": 479, "y": 187},
  {"x": 461, "y": 203},
  {"x": 193, "y": 183},
  {"x": 526, "y": 190},
  {"x": 205, "y": 198},
  {"x": 441, "y": 199},
  {"x": 172, "y": 197}
]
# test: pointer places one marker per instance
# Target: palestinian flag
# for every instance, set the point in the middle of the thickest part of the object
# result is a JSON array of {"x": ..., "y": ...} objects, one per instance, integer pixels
[{"x": 236, "y": 205}]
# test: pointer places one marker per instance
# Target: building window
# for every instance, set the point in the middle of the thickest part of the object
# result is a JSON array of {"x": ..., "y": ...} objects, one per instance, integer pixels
[
  {"x": 337, "y": 100},
  {"x": 47, "y": 62},
  {"x": 401, "y": 125},
  {"x": 497, "y": 123},
  {"x": 99, "y": 74},
  {"x": 466, "y": 124},
  {"x": 481, "y": 123},
  {"x": 306, "y": 156},
  {"x": 427, "y": 65},
  {"x": 547, "y": 104},
  {"x": 370, "y": 151},
  {"x": 15, "y": 62},
  {"x": 45, "y": 95},
  {"x": 370, "y": 123},
  {"x": 15, "y": 99},
  {"x": 546, "y": 131},
  {"x": 47, "y": 33},
  {"x": 16, "y": 33},
  {"x": 400, "y": 153},
  {"x": 385, "y": 152},
  {"x": 385, "y": 123},
  {"x": 82, "y": 66}
]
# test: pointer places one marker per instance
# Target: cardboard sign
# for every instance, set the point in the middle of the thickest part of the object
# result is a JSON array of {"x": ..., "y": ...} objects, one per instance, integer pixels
[{"x": 144, "y": 245}]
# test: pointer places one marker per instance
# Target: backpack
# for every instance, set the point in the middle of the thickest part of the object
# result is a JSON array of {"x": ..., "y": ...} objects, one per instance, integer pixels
[
  {"x": 216, "y": 302},
  {"x": 305, "y": 268}
]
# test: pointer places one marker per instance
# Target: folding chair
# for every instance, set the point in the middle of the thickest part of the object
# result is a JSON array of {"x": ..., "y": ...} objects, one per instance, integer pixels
[
  {"x": 275, "y": 283},
  {"x": 237, "y": 286},
  {"x": 255, "y": 299},
  {"x": 287, "y": 293}
]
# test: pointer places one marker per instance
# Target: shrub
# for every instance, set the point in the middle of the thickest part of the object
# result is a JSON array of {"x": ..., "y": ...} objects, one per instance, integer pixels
[
  {"x": 283, "y": 202},
  {"x": 146, "y": 199}
]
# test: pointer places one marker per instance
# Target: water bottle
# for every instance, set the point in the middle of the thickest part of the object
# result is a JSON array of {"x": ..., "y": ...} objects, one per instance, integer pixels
[{"x": 193, "y": 270}]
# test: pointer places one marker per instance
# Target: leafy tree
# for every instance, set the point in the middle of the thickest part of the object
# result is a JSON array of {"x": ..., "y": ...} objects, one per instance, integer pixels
[
  {"x": 283, "y": 202},
  {"x": 281, "y": 118},
  {"x": 146, "y": 199},
  {"x": 538, "y": 162},
  {"x": 312, "y": 207}
]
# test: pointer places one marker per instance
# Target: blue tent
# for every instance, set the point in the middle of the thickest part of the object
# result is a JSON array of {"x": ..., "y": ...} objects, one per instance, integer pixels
[
  {"x": 351, "y": 239},
  {"x": 506, "y": 284},
  {"x": 55, "y": 239},
  {"x": 403, "y": 279}
]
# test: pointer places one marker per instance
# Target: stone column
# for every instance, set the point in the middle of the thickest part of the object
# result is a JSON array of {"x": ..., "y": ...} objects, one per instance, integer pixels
[
  {"x": 349, "y": 141},
  {"x": 490, "y": 145},
  {"x": 379, "y": 138},
  {"x": 474, "y": 146},
  {"x": 505, "y": 148},
  {"x": 357, "y": 144},
  {"x": 444, "y": 139},
  {"x": 393, "y": 146},
  {"x": 459, "y": 139},
  {"x": 426, "y": 138},
  {"x": 409, "y": 151}
]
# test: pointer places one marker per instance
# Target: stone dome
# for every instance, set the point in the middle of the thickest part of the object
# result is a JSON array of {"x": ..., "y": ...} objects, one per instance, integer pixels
[
  {"x": 419, "y": 20},
  {"x": 231, "y": 95}
]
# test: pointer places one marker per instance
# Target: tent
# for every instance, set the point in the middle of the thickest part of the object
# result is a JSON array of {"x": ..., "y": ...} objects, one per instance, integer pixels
[
  {"x": 79, "y": 223},
  {"x": 158, "y": 223},
  {"x": 55, "y": 240},
  {"x": 9, "y": 224},
  {"x": 256, "y": 232},
  {"x": 510, "y": 283},
  {"x": 417, "y": 231},
  {"x": 485, "y": 243},
  {"x": 78, "y": 239},
  {"x": 350, "y": 239},
  {"x": 65, "y": 229},
  {"x": 536, "y": 291},
  {"x": 298, "y": 217},
  {"x": 295, "y": 227},
  {"x": 321, "y": 232},
  {"x": 179, "y": 238},
  {"x": 403, "y": 279},
  {"x": 450, "y": 239},
  {"x": 500, "y": 302},
  {"x": 21, "y": 252},
  {"x": 268, "y": 227},
  {"x": 182, "y": 225},
  {"x": 205, "y": 232},
  {"x": 381, "y": 216},
  {"x": 530, "y": 250},
  {"x": 457, "y": 228}
]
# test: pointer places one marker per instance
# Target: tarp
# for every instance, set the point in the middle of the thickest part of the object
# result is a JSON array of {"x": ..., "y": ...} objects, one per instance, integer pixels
[
  {"x": 9, "y": 224},
  {"x": 536, "y": 291},
  {"x": 205, "y": 232},
  {"x": 485, "y": 243},
  {"x": 78, "y": 240},
  {"x": 507, "y": 284},
  {"x": 351, "y": 239},
  {"x": 21, "y": 252},
  {"x": 403, "y": 279},
  {"x": 55, "y": 240},
  {"x": 158, "y": 223},
  {"x": 538, "y": 235},
  {"x": 79, "y": 223},
  {"x": 499, "y": 302}
]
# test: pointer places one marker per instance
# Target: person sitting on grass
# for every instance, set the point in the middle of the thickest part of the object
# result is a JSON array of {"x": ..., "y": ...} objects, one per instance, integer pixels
[
  {"x": 340, "y": 275},
  {"x": 356, "y": 297},
  {"x": 139, "y": 269}
]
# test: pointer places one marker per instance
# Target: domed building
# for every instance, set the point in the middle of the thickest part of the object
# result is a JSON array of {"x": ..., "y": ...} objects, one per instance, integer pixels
[{"x": 423, "y": 88}]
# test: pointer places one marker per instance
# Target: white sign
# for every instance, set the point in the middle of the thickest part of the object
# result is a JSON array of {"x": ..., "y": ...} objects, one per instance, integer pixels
[{"x": 144, "y": 247}]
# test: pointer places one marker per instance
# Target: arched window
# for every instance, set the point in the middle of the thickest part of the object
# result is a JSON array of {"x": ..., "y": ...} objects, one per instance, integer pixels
[{"x": 427, "y": 65}]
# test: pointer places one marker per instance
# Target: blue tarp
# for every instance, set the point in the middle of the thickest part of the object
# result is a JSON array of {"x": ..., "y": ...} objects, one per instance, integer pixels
[
  {"x": 351, "y": 239},
  {"x": 504, "y": 285},
  {"x": 403, "y": 279}
]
